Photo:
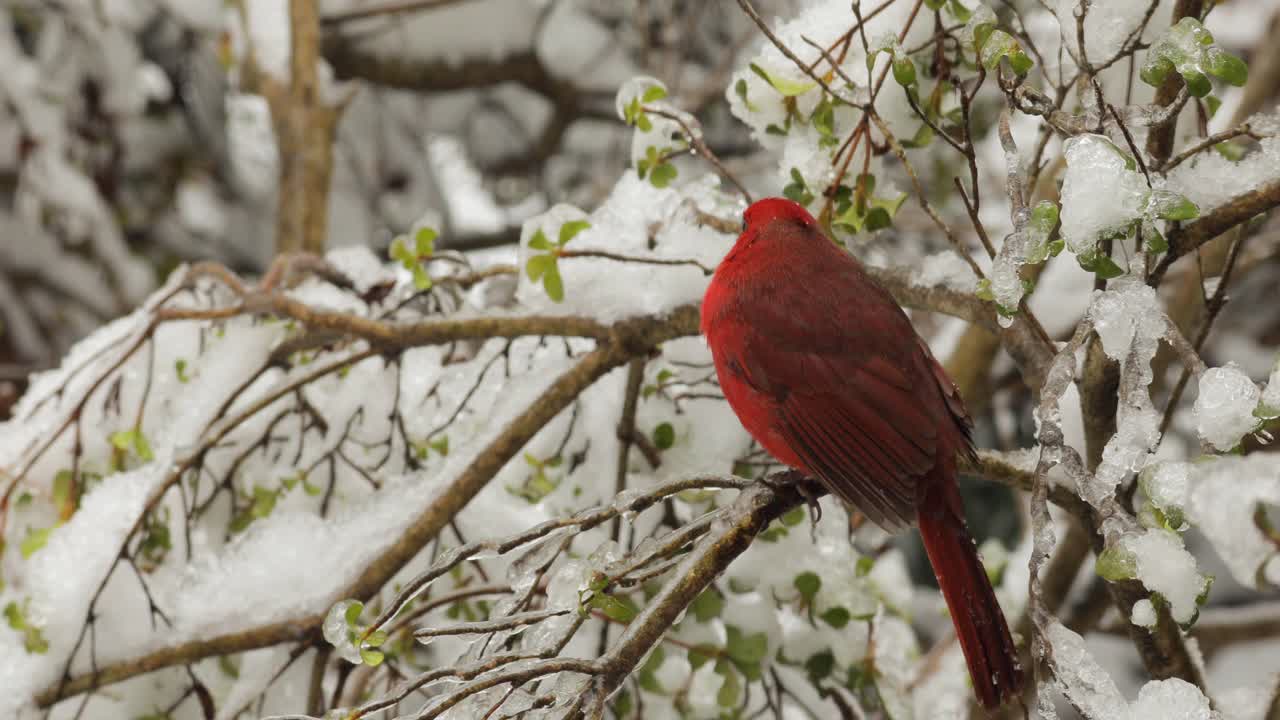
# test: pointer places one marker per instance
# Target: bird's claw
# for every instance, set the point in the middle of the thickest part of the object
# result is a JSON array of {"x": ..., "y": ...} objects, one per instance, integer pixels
[{"x": 803, "y": 485}]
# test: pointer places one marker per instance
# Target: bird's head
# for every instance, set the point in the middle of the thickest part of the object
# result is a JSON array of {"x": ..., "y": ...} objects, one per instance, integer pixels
[{"x": 762, "y": 212}]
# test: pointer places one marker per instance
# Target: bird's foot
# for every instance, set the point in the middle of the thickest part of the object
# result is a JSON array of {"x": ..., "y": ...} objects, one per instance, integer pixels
[{"x": 805, "y": 486}]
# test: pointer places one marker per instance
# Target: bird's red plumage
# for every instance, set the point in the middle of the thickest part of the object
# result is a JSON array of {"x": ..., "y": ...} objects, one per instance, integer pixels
[{"x": 826, "y": 372}]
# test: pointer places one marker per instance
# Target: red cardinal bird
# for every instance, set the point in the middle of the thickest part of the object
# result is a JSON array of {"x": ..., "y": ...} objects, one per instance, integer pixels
[{"x": 826, "y": 372}]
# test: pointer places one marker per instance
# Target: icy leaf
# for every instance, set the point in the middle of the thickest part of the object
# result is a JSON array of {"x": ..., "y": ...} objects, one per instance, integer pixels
[
  {"x": 1000, "y": 44},
  {"x": 1117, "y": 563}
]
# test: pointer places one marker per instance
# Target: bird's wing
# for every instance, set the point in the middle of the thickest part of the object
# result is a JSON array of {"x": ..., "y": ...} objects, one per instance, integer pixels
[{"x": 858, "y": 405}]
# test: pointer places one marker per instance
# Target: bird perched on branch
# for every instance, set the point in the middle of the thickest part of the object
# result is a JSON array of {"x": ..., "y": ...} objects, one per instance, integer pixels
[{"x": 826, "y": 372}]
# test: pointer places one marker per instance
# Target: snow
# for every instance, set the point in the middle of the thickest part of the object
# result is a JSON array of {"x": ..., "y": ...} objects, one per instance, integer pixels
[
  {"x": 946, "y": 269},
  {"x": 595, "y": 286},
  {"x": 1211, "y": 180},
  {"x": 1224, "y": 408},
  {"x": 1100, "y": 193},
  {"x": 1144, "y": 614},
  {"x": 1225, "y": 491},
  {"x": 61, "y": 578},
  {"x": 1165, "y": 566}
]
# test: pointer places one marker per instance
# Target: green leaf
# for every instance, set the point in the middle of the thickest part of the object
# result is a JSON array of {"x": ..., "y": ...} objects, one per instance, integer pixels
[
  {"x": 1212, "y": 103},
  {"x": 35, "y": 540},
  {"x": 1226, "y": 66},
  {"x": 421, "y": 280},
  {"x": 797, "y": 191},
  {"x": 984, "y": 290},
  {"x": 808, "y": 583},
  {"x": 819, "y": 665},
  {"x": 823, "y": 118},
  {"x": 228, "y": 667},
  {"x": 613, "y": 607},
  {"x": 652, "y": 93},
  {"x": 14, "y": 615},
  {"x": 959, "y": 11},
  {"x": 180, "y": 367},
  {"x": 664, "y": 436},
  {"x": 864, "y": 566},
  {"x": 571, "y": 229},
  {"x": 788, "y": 88},
  {"x": 538, "y": 266},
  {"x": 1230, "y": 151},
  {"x": 644, "y": 123},
  {"x": 372, "y": 656},
  {"x": 376, "y": 638},
  {"x": 552, "y": 282},
  {"x": 731, "y": 691},
  {"x": 1172, "y": 206},
  {"x": 539, "y": 241},
  {"x": 662, "y": 175},
  {"x": 400, "y": 251},
  {"x": 701, "y": 653},
  {"x": 442, "y": 445},
  {"x": 707, "y": 605},
  {"x": 648, "y": 680},
  {"x": 934, "y": 4},
  {"x": 425, "y": 241},
  {"x": 264, "y": 501},
  {"x": 904, "y": 71},
  {"x": 1106, "y": 268},
  {"x": 740, "y": 88},
  {"x": 62, "y": 484},
  {"x": 352, "y": 614},
  {"x": 745, "y": 649},
  {"x": 793, "y": 517},
  {"x": 123, "y": 439},
  {"x": 1155, "y": 242},
  {"x": 837, "y": 617},
  {"x": 142, "y": 447},
  {"x": 1000, "y": 44}
]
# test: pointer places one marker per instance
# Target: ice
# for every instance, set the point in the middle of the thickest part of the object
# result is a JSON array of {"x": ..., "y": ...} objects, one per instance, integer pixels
[
  {"x": 1100, "y": 192},
  {"x": 1164, "y": 566},
  {"x": 1106, "y": 26},
  {"x": 1225, "y": 493},
  {"x": 1211, "y": 180},
  {"x": 1083, "y": 680},
  {"x": 1128, "y": 315},
  {"x": 1224, "y": 408},
  {"x": 1130, "y": 322}
]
